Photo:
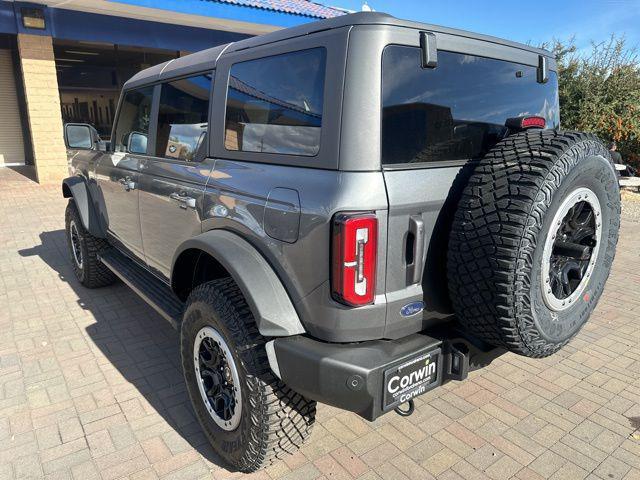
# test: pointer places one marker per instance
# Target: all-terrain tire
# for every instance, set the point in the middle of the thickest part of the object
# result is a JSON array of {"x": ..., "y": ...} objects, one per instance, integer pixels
[
  {"x": 88, "y": 268},
  {"x": 496, "y": 258},
  {"x": 274, "y": 419}
]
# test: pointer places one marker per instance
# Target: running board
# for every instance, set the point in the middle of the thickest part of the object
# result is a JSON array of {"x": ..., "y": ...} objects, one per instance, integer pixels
[{"x": 152, "y": 290}]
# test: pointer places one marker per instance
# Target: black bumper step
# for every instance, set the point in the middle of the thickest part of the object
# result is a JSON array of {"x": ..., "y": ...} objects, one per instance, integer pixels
[
  {"x": 360, "y": 377},
  {"x": 153, "y": 290}
]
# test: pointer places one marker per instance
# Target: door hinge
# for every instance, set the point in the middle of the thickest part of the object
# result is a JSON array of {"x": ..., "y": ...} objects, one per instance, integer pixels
[
  {"x": 543, "y": 69},
  {"x": 429, "y": 50}
]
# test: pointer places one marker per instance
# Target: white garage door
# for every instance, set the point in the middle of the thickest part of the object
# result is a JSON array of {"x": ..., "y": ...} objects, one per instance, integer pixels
[{"x": 11, "y": 141}]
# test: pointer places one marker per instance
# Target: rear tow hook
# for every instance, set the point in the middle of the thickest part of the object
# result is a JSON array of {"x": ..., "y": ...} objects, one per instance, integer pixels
[{"x": 405, "y": 412}]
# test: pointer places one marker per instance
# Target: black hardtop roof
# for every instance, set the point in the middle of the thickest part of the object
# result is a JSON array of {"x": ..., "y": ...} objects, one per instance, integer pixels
[{"x": 207, "y": 59}]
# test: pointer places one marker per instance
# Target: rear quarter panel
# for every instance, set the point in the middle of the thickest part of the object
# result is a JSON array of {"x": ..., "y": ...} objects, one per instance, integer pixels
[{"x": 235, "y": 199}]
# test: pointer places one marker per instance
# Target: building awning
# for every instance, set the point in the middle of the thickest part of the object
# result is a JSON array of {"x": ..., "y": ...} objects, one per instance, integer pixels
[
  {"x": 178, "y": 25},
  {"x": 250, "y": 17},
  {"x": 294, "y": 7}
]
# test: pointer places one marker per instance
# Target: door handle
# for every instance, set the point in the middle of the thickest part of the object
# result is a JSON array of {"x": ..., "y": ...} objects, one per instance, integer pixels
[
  {"x": 127, "y": 183},
  {"x": 416, "y": 266},
  {"x": 184, "y": 200}
]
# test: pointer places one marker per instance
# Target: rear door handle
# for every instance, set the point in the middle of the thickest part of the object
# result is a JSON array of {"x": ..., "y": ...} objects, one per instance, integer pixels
[
  {"x": 184, "y": 200},
  {"x": 416, "y": 266}
]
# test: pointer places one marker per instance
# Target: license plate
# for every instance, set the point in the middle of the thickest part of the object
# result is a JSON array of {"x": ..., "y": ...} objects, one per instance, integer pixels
[{"x": 411, "y": 378}]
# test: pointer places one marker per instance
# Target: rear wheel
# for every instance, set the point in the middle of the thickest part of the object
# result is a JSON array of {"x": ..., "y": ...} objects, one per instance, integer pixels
[
  {"x": 250, "y": 417},
  {"x": 533, "y": 240}
]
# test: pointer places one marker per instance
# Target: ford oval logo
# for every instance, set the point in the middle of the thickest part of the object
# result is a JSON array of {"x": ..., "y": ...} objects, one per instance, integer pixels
[{"x": 412, "y": 309}]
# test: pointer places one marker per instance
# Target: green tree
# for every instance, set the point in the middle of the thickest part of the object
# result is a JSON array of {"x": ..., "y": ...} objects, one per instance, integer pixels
[{"x": 600, "y": 92}]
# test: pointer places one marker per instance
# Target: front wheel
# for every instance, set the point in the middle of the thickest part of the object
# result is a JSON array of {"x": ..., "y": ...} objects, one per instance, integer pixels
[
  {"x": 83, "y": 251},
  {"x": 248, "y": 415}
]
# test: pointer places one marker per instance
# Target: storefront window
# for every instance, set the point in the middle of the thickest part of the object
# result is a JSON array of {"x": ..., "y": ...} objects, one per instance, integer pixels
[{"x": 91, "y": 75}]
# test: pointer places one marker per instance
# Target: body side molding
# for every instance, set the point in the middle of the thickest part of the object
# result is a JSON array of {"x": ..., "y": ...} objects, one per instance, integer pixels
[
  {"x": 266, "y": 296},
  {"x": 77, "y": 188}
]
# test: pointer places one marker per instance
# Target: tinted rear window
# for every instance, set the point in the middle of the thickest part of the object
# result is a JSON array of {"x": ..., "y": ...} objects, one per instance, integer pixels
[
  {"x": 274, "y": 104},
  {"x": 457, "y": 110}
]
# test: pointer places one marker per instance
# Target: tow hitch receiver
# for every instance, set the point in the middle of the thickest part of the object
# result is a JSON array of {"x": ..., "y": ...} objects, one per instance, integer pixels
[
  {"x": 456, "y": 361},
  {"x": 378, "y": 376}
]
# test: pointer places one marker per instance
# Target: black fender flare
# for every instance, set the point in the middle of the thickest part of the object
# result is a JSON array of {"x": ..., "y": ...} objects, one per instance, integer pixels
[
  {"x": 262, "y": 289},
  {"x": 76, "y": 187}
]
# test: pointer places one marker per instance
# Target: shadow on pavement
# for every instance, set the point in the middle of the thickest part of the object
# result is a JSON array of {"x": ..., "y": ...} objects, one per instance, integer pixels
[
  {"x": 136, "y": 340},
  {"x": 27, "y": 171}
]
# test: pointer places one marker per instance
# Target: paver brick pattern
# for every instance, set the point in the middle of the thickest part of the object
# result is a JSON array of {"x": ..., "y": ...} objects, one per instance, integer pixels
[{"x": 91, "y": 387}]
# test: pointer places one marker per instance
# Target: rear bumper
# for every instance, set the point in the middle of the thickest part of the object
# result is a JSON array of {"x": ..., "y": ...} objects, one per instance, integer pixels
[{"x": 352, "y": 376}]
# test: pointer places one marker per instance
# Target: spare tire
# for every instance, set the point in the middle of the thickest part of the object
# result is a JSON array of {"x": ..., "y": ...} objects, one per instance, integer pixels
[{"x": 533, "y": 240}]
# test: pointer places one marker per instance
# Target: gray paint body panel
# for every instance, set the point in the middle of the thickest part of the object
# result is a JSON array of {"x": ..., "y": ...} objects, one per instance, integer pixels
[
  {"x": 113, "y": 173},
  {"x": 235, "y": 200},
  {"x": 282, "y": 214},
  {"x": 430, "y": 194},
  {"x": 166, "y": 220}
]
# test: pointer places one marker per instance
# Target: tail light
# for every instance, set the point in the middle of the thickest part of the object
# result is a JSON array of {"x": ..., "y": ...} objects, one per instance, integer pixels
[
  {"x": 525, "y": 122},
  {"x": 354, "y": 247}
]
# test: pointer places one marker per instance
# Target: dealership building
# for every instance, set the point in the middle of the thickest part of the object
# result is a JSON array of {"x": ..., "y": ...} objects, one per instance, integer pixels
[{"x": 66, "y": 60}]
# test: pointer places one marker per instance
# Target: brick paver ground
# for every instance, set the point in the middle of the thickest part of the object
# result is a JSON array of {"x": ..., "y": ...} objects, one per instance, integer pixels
[{"x": 90, "y": 386}]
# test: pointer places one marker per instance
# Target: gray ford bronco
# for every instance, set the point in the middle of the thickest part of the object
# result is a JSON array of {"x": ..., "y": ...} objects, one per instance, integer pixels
[{"x": 353, "y": 211}]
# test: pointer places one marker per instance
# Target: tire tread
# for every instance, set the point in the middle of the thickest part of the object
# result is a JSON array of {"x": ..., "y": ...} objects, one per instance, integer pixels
[
  {"x": 495, "y": 229},
  {"x": 281, "y": 418},
  {"x": 94, "y": 273}
]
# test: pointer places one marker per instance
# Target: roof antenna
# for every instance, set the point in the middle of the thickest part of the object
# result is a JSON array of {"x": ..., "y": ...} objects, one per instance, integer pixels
[{"x": 367, "y": 8}]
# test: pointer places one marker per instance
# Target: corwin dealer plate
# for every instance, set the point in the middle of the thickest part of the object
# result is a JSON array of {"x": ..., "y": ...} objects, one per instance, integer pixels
[{"x": 411, "y": 378}]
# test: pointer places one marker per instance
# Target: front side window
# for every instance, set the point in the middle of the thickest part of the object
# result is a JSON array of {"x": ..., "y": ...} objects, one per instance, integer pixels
[
  {"x": 456, "y": 111},
  {"x": 132, "y": 128},
  {"x": 274, "y": 104},
  {"x": 183, "y": 118}
]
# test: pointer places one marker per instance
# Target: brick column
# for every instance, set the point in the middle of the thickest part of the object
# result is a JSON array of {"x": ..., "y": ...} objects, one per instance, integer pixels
[{"x": 43, "y": 107}]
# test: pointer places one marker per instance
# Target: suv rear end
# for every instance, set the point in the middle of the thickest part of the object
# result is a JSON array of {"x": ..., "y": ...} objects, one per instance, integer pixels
[
  {"x": 349, "y": 140},
  {"x": 421, "y": 126},
  {"x": 393, "y": 141},
  {"x": 419, "y": 109}
]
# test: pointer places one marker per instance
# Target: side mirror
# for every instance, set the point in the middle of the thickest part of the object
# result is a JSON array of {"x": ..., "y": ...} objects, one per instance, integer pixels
[
  {"x": 137, "y": 143},
  {"x": 79, "y": 136}
]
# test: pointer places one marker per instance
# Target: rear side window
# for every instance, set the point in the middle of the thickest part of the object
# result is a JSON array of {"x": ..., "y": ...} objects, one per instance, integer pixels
[
  {"x": 132, "y": 128},
  {"x": 274, "y": 104},
  {"x": 183, "y": 118},
  {"x": 456, "y": 111}
]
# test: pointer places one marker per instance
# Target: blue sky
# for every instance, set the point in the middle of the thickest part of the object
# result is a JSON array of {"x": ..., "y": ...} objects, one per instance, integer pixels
[{"x": 522, "y": 21}]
